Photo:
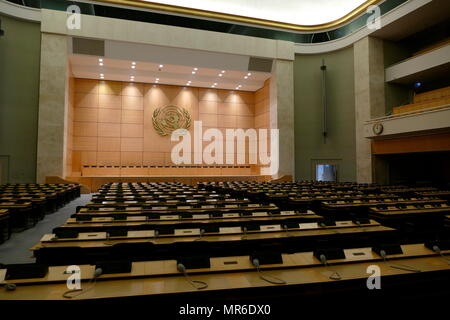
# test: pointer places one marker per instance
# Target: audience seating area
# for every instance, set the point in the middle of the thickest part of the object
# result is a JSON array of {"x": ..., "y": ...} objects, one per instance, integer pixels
[
  {"x": 425, "y": 101},
  {"x": 179, "y": 239},
  {"x": 24, "y": 205}
]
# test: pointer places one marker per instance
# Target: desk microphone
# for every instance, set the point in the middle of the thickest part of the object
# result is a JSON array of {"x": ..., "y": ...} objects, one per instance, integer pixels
[
  {"x": 285, "y": 227},
  {"x": 202, "y": 231},
  {"x": 335, "y": 275},
  {"x": 267, "y": 278},
  {"x": 244, "y": 237},
  {"x": 197, "y": 284},
  {"x": 398, "y": 266},
  {"x": 10, "y": 287},
  {"x": 438, "y": 250}
]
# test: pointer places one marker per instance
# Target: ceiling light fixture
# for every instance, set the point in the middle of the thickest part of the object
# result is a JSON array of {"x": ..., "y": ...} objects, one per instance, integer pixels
[
  {"x": 220, "y": 74},
  {"x": 195, "y": 69},
  {"x": 101, "y": 64},
  {"x": 193, "y": 72},
  {"x": 223, "y": 71},
  {"x": 249, "y": 74},
  {"x": 245, "y": 77},
  {"x": 133, "y": 67},
  {"x": 133, "y": 63},
  {"x": 100, "y": 60},
  {"x": 161, "y": 66}
]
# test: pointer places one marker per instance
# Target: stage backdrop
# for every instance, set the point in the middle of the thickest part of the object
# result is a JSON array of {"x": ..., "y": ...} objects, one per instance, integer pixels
[{"x": 110, "y": 123}]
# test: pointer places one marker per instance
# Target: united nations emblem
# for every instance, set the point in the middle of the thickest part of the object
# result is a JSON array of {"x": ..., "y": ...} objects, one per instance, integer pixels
[{"x": 170, "y": 118}]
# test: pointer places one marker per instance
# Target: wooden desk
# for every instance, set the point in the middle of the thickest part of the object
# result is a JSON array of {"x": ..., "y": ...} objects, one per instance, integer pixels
[{"x": 298, "y": 270}]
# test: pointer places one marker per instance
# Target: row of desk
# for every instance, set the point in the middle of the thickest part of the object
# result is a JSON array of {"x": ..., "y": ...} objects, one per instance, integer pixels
[
  {"x": 23, "y": 205},
  {"x": 166, "y": 240}
]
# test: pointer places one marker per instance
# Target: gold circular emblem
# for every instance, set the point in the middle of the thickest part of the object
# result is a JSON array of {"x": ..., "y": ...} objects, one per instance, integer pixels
[{"x": 170, "y": 118}]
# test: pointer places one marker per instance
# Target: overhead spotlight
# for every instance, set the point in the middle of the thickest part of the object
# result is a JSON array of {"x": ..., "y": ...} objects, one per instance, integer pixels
[
  {"x": 188, "y": 84},
  {"x": 101, "y": 64},
  {"x": 245, "y": 77},
  {"x": 215, "y": 83},
  {"x": 195, "y": 69},
  {"x": 133, "y": 67},
  {"x": 133, "y": 63},
  {"x": 220, "y": 74},
  {"x": 101, "y": 74},
  {"x": 100, "y": 60},
  {"x": 157, "y": 79},
  {"x": 193, "y": 72},
  {"x": 249, "y": 74},
  {"x": 223, "y": 71},
  {"x": 161, "y": 66}
]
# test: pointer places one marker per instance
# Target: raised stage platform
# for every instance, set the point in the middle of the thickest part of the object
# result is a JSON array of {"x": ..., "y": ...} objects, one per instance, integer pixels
[{"x": 93, "y": 183}]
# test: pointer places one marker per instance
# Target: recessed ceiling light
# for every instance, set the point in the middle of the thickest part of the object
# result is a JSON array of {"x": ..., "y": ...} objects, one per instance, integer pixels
[
  {"x": 100, "y": 64},
  {"x": 133, "y": 63},
  {"x": 193, "y": 72},
  {"x": 220, "y": 74},
  {"x": 245, "y": 77},
  {"x": 195, "y": 69},
  {"x": 215, "y": 83},
  {"x": 100, "y": 60},
  {"x": 161, "y": 66},
  {"x": 188, "y": 84},
  {"x": 223, "y": 71},
  {"x": 157, "y": 79},
  {"x": 133, "y": 67},
  {"x": 249, "y": 74},
  {"x": 101, "y": 74}
]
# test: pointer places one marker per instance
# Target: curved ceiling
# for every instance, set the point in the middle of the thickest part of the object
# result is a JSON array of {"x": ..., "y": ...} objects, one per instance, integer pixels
[{"x": 297, "y": 15}]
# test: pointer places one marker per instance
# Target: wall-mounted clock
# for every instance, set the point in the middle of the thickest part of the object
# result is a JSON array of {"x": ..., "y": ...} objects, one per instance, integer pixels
[{"x": 377, "y": 128}]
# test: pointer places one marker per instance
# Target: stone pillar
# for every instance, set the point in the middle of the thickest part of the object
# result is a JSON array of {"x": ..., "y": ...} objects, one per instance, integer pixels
[
  {"x": 369, "y": 99},
  {"x": 282, "y": 113},
  {"x": 52, "y": 105}
]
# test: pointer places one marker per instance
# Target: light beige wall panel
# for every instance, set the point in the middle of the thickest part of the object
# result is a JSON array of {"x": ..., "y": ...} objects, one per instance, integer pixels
[
  {"x": 108, "y": 101},
  {"x": 132, "y": 116},
  {"x": 86, "y": 100},
  {"x": 109, "y": 115},
  {"x": 85, "y": 115},
  {"x": 86, "y": 86},
  {"x": 108, "y": 144},
  {"x": 108, "y": 158},
  {"x": 85, "y": 143},
  {"x": 132, "y": 103},
  {"x": 131, "y": 144},
  {"x": 132, "y": 130},
  {"x": 109, "y": 130},
  {"x": 110, "y": 87},
  {"x": 84, "y": 129},
  {"x": 133, "y": 89},
  {"x": 131, "y": 158}
]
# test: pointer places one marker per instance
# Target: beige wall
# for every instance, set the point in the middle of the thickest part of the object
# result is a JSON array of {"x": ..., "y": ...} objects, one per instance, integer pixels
[{"x": 112, "y": 121}]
